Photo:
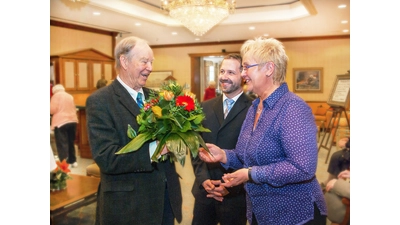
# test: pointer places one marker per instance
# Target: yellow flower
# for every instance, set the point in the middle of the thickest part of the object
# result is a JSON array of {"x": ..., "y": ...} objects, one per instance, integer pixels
[
  {"x": 190, "y": 94},
  {"x": 168, "y": 95},
  {"x": 157, "y": 111}
]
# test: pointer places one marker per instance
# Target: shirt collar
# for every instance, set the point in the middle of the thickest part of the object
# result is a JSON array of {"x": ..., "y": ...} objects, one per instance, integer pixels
[
  {"x": 234, "y": 98},
  {"x": 132, "y": 92},
  {"x": 274, "y": 97}
]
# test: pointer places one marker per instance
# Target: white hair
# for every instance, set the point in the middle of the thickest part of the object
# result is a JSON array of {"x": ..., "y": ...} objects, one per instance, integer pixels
[{"x": 58, "y": 88}]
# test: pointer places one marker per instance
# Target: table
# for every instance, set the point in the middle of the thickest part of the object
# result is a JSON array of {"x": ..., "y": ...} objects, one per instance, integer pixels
[{"x": 80, "y": 191}]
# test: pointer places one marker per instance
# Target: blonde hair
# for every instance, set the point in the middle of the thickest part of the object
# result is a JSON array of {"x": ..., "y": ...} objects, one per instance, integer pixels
[{"x": 264, "y": 50}]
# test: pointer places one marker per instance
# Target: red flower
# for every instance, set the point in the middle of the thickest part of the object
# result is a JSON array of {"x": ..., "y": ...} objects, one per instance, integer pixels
[
  {"x": 63, "y": 166},
  {"x": 186, "y": 101}
]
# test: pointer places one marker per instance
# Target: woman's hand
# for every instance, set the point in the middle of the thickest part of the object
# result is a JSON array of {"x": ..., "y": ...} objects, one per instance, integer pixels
[
  {"x": 235, "y": 178},
  {"x": 217, "y": 154}
]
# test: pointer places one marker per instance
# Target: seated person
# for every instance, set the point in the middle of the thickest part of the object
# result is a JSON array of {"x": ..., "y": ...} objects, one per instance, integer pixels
[
  {"x": 340, "y": 161},
  {"x": 336, "y": 189}
]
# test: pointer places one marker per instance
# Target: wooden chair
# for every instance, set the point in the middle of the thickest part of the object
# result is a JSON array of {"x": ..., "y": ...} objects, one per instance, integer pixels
[
  {"x": 346, "y": 219},
  {"x": 93, "y": 170}
]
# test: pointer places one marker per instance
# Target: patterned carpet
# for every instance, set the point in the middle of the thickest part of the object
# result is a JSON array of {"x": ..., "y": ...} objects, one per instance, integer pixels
[{"x": 82, "y": 216}]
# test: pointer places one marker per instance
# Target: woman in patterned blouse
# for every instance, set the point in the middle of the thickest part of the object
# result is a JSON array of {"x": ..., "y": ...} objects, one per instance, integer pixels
[{"x": 277, "y": 147}]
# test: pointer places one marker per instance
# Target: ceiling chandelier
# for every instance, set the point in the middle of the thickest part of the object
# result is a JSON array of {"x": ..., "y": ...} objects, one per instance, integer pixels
[{"x": 199, "y": 16}]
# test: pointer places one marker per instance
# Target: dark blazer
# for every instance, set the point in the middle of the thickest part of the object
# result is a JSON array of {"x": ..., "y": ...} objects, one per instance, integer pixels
[
  {"x": 131, "y": 190},
  {"x": 224, "y": 133}
]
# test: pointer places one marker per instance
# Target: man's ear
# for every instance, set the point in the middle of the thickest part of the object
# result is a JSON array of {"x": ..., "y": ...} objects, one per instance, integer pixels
[{"x": 123, "y": 60}]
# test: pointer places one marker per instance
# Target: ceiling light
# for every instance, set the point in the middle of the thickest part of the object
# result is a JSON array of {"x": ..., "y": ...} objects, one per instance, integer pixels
[
  {"x": 345, "y": 21},
  {"x": 174, "y": 33},
  {"x": 138, "y": 24},
  {"x": 252, "y": 28},
  {"x": 342, "y": 6},
  {"x": 96, "y": 13},
  {"x": 199, "y": 16},
  {"x": 345, "y": 31}
]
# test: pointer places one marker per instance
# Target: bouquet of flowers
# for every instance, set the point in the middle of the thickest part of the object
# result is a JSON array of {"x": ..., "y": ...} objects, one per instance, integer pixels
[
  {"x": 58, "y": 177},
  {"x": 173, "y": 117}
]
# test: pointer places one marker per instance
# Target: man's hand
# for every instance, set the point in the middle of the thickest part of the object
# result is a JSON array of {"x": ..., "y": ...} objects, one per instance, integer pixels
[
  {"x": 330, "y": 184},
  {"x": 344, "y": 174},
  {"x": 215, "y": 190}
]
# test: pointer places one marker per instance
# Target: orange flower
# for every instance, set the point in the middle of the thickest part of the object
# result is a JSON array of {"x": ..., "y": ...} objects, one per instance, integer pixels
[
  {"x": 186, "y": 101},
  {"x": 168, "y": 95},
  {"x": 63, "y": 166}
]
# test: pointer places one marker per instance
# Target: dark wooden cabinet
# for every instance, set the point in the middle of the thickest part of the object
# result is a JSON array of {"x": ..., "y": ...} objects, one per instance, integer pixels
[
  {"x": 82, "y": 136},
  {"x": 79, "y": 71}
]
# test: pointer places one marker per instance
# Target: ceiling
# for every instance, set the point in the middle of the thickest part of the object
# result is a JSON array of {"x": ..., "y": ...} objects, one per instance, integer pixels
[{"x": 272, "y": 18}]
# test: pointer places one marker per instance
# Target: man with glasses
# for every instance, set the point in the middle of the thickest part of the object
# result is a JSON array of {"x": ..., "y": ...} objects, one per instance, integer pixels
[{"x": 224, "y": 117}]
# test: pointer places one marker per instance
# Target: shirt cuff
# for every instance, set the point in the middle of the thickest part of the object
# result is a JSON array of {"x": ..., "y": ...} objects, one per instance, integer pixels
[{"x": 152, "y": 148}]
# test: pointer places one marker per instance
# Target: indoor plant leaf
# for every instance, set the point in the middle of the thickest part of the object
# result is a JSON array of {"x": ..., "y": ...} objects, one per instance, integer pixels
[{"x": 135, "y": 143}]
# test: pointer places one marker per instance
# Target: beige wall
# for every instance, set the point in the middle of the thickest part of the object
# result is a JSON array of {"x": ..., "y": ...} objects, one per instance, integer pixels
[
  {"x": 64, "y": 40},
  {"x": 333, "y": 55}
]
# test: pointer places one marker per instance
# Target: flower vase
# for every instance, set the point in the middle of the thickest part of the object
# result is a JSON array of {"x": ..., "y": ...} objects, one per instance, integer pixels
[{"x": 58, "y": 185}]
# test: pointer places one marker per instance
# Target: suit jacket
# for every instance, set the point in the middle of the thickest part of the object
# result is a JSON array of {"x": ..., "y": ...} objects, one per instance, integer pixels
[
  {"x": 131, "y": 189},
  {"x": 224, "y": 133}
]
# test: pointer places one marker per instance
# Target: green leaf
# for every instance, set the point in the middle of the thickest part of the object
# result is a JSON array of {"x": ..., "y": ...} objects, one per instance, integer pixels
[
  {"x": 202, "y": 143},
  {"x": 190, "y": 140},
  {"x": 160, "y": 145},
  {"x": 135, "y": 143},
  {"x": 202, "y": 129},
  {"x": 198, "y": 119},
  {"x": 177, "y": 146},
  {"x": 131, "y": 132},
  {"x": 186, "y": 127}
]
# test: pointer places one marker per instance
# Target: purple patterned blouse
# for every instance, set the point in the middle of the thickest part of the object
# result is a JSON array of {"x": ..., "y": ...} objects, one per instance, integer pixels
[{"x": 282, "y": 151}]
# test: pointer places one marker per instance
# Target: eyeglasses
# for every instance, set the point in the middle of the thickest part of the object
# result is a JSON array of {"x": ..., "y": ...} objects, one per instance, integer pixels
[{"x": 246, "y": 67}]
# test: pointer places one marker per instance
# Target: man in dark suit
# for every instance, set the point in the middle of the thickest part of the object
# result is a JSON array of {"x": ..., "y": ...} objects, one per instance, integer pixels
[
  {"x": 132, "y": 190},
  {"x": 214, "y": 203}
]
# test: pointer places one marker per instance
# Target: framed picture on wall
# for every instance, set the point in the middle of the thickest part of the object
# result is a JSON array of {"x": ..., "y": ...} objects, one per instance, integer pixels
[
  {"x": 308, "y": 79},
  {"x": 340, "y": 94},
  {"x": 157, "y": 78}
]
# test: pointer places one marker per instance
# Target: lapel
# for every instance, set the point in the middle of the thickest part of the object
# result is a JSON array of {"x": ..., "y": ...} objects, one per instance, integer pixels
[
  {"x": 238, "y": 107},
  {"x": 126, "y": 99},
  {"x": 218, "y": 109}
]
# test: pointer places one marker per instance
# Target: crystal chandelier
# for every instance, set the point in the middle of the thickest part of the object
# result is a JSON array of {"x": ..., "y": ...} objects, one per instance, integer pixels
[{"x": 199, "y": 15}]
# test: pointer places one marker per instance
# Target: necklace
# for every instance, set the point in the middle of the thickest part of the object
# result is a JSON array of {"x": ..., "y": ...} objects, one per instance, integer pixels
[{"x": 259, "y": 110}]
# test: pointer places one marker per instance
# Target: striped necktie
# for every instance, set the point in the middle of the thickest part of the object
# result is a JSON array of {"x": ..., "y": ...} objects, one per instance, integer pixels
[
  {"x": 139, "y": 100},
  {"x": 228, "y": 105}
]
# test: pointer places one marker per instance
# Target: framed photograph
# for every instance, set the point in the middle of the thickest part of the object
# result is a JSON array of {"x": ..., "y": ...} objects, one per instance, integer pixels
[
  {"x": 157, "y": 78},
  {"x": 340, "y": 94},
  {"x": 307, "y": 79}
]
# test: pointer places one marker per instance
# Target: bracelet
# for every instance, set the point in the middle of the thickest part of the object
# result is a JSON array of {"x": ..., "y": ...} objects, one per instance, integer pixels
[{"x": 249, "y": 173}]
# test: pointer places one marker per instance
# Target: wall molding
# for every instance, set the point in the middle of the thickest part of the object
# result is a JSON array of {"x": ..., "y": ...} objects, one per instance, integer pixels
[{"x": 113, "y": 33}]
